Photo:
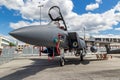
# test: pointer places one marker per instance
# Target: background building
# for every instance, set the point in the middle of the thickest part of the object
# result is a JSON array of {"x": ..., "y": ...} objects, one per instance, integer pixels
[
  {"x": 20, "y": 46},
  {"x": 4, "y": 42},
  {"x": 113, "y": 40}
]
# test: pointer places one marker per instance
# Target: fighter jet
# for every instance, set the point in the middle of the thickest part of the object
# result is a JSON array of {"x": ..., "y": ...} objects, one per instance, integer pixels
[{"x": 56, "y": 38}]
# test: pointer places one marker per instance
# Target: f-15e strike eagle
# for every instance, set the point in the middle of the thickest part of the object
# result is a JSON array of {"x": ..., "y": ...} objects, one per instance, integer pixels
[{"x": 54, "y": 37}]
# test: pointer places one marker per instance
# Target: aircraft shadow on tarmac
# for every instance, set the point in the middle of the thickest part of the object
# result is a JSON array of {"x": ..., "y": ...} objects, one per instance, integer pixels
[
  {"x": 39, "y": 65},
  {"x": 26, "y": 71}
]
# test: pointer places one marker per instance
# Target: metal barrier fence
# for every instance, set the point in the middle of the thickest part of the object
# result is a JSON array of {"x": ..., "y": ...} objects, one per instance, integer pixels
[
  {"x": 8, "y": 53},
  {"x": 30, "y": 51}
]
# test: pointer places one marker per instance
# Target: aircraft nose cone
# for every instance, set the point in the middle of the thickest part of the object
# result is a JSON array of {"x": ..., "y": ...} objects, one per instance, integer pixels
[
  {"x": 13, "y": 33},
  {"x": 17, "y": 32},
  {"x": 22, "y": 34}
]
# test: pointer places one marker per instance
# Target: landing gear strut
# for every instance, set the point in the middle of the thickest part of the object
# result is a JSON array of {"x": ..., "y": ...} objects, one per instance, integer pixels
[
  {"x": 82, "y": 54},
  {"x": 81, "y": 57},
  {"x": 62, "y": 61}
]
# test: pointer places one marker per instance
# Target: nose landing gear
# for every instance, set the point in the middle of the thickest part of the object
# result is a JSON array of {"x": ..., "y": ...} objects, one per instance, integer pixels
[{"x": 62, "y": 61}]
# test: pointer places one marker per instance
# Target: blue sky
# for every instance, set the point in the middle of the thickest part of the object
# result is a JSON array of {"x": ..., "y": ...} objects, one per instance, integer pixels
[
  {"x": 14, "y": 16},
  {"x": 79, "y": 5}
]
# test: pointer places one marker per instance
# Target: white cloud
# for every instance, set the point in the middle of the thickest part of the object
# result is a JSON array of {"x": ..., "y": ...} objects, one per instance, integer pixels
[
  {"x": 12, "y": 4},
  {"x": 98, "y": 1},
  {"x": 117, "y": 29},
  {"x": 106, "y": 36},
  {"x": 93, "y": 22},
  {"x": 96, "y": 22},
  {"x": 92, "y": 6},
  {"x": 24, "y": 23},
  {"x": 30, "y": 10},
  {"x": 19, "y": 24}
]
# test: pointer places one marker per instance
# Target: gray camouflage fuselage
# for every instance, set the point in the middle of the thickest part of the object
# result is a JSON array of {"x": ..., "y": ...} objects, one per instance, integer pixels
[{"x": 43, "y": 35}]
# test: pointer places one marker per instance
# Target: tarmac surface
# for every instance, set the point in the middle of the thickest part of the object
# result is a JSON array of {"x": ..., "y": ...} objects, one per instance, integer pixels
[{"x": 39, "y": 68}]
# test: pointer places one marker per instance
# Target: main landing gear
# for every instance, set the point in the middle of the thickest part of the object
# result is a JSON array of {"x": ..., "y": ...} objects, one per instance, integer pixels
[
  {"x": 81, "y": 57},
  {"x": 81, "y": 53}
]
